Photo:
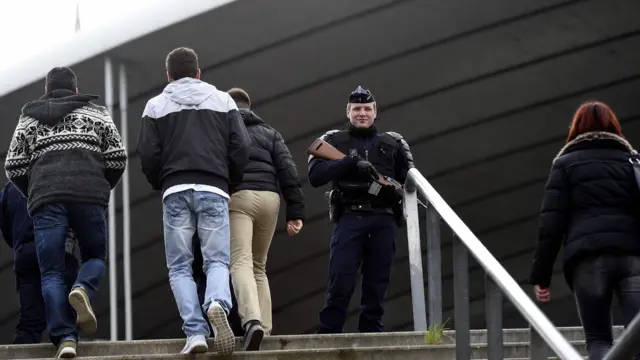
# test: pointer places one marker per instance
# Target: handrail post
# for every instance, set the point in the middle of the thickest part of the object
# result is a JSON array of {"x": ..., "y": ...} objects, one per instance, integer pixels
[
  {"x": 434, "y": 265},
  {"x": 415, "y": 256},
  {"x": 628, "y": 345},
  {"x": 461, "y": 299},
  {"x": 493, "y": 309}
]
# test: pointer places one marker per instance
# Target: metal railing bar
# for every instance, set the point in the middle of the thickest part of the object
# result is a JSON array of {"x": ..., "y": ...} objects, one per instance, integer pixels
[
  {"x": 628, "y": 345},
  {"x": 544, "y": 327}
]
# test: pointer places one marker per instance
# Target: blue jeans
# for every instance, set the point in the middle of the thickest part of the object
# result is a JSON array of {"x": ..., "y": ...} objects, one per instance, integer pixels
[
  {"x": 51, "y": 224},
  {"x": 184, "y": 213},
  {"x": 595, "y": 281}
]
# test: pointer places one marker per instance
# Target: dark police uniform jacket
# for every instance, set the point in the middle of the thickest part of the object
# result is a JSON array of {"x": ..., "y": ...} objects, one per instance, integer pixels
[{"x": 388, "y": 152}]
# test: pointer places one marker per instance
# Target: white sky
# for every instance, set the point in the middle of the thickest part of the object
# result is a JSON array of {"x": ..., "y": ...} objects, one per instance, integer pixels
[{"x": 30, "y": 27}]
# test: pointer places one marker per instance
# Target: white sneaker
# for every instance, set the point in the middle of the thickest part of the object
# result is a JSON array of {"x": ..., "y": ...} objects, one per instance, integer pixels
[
  {"x": 224, "y": 342},
  {"x": 196, "y": 344},
  {"x": 86, "y": 318},
  {"x": 66, "y": 350}
]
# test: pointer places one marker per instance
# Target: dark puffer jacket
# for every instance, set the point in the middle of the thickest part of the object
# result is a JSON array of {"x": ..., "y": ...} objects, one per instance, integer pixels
[
  {"x": 15, "y": 223},
  {"x": 591, "y": 203},
  {"x": 271, "y": 167}
]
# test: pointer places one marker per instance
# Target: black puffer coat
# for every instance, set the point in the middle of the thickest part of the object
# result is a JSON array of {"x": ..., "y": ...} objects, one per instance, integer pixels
[
  {"x": 591, "y": 204},
  {"x": 271, "y": 167}
]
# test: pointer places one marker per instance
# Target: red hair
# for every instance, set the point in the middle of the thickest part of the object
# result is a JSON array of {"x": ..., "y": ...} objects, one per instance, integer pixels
[{"x": 594, "y": 116}]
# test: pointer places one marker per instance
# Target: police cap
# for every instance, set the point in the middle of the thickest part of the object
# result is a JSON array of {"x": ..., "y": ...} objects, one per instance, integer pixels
[{"x": 361, "y": 96}]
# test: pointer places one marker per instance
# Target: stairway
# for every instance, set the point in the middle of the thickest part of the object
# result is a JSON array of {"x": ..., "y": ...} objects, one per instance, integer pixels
[{"x": 388, "y": 346}]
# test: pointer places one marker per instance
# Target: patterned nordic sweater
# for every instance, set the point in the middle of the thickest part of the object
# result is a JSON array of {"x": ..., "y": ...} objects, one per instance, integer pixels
[{"x": 65, "y": 149}]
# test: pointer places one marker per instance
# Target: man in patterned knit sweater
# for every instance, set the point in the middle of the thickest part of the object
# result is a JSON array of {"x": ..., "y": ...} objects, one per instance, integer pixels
[{"x": 65, "y": 156}]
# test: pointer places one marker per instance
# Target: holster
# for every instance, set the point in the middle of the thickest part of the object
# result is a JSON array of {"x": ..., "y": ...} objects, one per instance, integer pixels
[{"x": 335, "y": 208}]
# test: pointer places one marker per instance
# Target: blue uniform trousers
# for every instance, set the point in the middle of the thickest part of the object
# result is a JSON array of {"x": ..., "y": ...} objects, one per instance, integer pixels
[{"x": 366, "y": 241}]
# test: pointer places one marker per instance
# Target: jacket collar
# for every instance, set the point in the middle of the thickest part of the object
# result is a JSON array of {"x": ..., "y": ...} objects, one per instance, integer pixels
[
  {"x": 362, "y": 132},
  {"x": 593, "y": 136}
]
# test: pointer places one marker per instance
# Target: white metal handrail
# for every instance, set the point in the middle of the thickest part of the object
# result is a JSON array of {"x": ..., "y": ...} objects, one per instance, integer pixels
[{"x": 415, "y": 181}]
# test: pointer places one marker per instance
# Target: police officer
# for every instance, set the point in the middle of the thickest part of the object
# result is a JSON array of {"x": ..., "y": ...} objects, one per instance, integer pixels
[{"x": 365, "y": 233}]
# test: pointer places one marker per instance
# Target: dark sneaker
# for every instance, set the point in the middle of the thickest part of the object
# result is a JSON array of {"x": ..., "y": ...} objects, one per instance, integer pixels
[
  {"x": 86, "y": 319},
  {"x": 253, "y": 336},
  {"x": 66, "y": 350},
  {"x": 224, "y": 342}
]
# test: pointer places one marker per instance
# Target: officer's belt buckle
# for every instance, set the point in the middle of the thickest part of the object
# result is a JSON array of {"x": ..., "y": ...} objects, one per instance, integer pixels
[{"x": 374, "y": 188}]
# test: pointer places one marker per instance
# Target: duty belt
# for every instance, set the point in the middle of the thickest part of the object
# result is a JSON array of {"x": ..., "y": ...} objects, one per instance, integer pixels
[{"x": 367, "y": 208}]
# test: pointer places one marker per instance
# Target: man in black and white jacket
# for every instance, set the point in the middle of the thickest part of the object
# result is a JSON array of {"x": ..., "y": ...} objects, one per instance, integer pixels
[
  {"x": 66, "y": 156},
  {"x": 193, "y": 144}
]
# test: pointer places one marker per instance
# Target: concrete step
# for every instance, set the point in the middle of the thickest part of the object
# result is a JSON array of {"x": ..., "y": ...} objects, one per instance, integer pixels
[
  {"x": 277, "y": 343},
  {"x": 413, "y": 352}
]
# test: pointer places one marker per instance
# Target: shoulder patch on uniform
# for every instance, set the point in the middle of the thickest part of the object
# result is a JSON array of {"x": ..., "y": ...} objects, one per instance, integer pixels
[
  {"x": 329, "y": 134},
  {"x": 405, "y": 146},
  {"x": 394, "y": 135}
]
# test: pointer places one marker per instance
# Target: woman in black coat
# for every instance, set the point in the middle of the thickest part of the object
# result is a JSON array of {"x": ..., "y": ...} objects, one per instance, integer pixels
[{"x": 591, "y": 206}]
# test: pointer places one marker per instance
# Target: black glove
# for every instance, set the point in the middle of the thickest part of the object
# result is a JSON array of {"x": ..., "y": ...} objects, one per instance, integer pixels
[
  {"x": 391, "y": 193},
  {"x": 365, "y": 168}
]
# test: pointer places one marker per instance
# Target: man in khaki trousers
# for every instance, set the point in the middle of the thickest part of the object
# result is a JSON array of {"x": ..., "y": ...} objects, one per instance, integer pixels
[{"x": 253, "y": 214}]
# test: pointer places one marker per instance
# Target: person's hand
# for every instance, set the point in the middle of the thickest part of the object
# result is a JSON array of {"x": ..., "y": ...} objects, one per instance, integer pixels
[
  {"x": 542, "y": 294},
  {"x": 294, "y": 227},
  {"x": 391, "y": 194}
]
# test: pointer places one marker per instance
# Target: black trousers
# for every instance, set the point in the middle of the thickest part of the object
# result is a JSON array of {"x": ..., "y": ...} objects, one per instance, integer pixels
[
  {"x": 360, "y": 241},
  {"x": 32, "y": 317},
  {"x": 595, "y": 281}
]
